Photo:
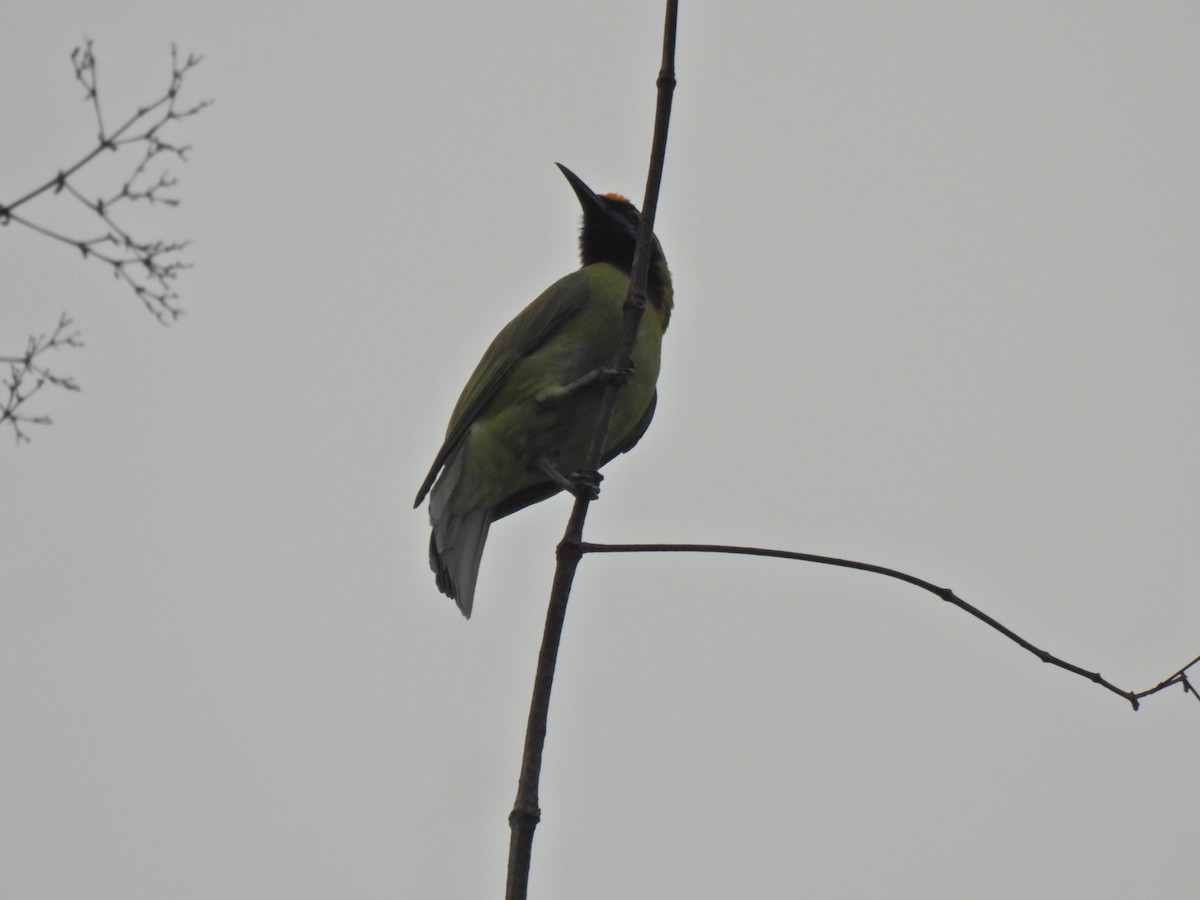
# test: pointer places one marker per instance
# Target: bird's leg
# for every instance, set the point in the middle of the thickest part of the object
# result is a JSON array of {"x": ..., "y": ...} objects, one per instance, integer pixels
[
  {"x": 581, "y": 484},
  {"x": 604, "y": 375}
]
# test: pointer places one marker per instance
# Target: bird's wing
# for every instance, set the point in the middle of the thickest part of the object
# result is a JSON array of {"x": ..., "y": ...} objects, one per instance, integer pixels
[{"x": 531, "y": 328}]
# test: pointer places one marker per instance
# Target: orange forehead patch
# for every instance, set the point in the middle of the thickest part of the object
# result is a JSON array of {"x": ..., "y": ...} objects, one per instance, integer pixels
[{"x": 615, "y": 196}]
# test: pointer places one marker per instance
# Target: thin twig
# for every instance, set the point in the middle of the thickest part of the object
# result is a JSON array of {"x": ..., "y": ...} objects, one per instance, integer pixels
[
  {"x": 526, "y": 812},
  {"x": 110, "y": 141},
  {"x": 150, "y": 268},
  {"x": 1178, "y": 677},
  {"x": 27, "y": 375}
]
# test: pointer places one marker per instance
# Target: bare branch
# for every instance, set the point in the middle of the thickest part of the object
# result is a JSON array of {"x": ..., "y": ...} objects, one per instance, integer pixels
[
  {"x": 1179, "y": 676},
  {"x": 149, "y": 267},
  {"x": 28, "y": 374},
  {"x": 525, "y": 813}
]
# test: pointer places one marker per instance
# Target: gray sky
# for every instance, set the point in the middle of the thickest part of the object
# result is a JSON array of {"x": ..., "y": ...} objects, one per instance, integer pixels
[{"x": 936, "y": 273}]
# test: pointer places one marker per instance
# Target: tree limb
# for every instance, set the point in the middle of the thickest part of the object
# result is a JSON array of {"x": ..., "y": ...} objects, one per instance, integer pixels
[{"x": 1177, "y": 677}]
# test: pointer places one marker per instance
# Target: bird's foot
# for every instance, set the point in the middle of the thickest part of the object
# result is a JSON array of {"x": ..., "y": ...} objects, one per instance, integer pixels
[
  {"x": 619, "y": 375},
  {"x": 585, "y": 485}
]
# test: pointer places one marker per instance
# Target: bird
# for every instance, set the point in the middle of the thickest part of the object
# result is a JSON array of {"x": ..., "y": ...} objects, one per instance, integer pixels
[{"x": 520, "y": 430}]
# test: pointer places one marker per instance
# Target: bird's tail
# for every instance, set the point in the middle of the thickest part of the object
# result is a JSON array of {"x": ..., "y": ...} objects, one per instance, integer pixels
[
  {"x": 455, "y": 549},
  {"x": 456, "y": 545}
]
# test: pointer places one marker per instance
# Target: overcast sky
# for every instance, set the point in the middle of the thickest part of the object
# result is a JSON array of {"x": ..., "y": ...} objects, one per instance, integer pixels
[{"x": 936, "y": 276}]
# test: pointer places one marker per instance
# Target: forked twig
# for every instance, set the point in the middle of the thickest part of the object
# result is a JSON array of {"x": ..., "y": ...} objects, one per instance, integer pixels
[
  {"x": 150, "y": 267},
  {"x": 28, "y": 374},
  {"x": 526, "y": 813}
]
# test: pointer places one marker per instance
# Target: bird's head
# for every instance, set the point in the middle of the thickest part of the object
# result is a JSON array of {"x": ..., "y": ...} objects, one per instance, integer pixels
[{"x": 609, "y": 235}]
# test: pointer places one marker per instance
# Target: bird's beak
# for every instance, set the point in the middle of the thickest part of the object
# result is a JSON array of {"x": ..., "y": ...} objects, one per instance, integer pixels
[{"x": 587, "y": 197}]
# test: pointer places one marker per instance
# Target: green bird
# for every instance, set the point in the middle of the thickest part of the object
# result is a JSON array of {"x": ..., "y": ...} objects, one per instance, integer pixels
[{"x": 521, "y": 428}]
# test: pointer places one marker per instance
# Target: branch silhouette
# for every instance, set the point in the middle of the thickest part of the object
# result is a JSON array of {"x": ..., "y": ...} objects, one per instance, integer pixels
[
  {"x": 1179, "y": 676},
  {"x": 150, "y": 267},
  {"x": 28, "y": 374},
  {"x": 526, "y": 814}
]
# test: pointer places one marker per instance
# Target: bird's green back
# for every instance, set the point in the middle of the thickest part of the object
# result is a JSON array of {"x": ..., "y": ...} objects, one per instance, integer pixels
[
  {"x": 524, "y": 334},
  {"x": 572, "y": 328}
]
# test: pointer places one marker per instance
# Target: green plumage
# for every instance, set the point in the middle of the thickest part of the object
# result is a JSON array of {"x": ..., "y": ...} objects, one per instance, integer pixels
[{"x": 513, "y": 418}]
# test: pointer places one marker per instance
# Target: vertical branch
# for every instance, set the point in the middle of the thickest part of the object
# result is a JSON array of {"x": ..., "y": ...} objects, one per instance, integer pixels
[{"x": 526, "y": 813}]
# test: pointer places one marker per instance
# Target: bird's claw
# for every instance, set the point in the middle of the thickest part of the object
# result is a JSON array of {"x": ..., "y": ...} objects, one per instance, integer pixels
[
  {"x": 586, "y": 485},
  {"x": 619, "y": 374}
]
